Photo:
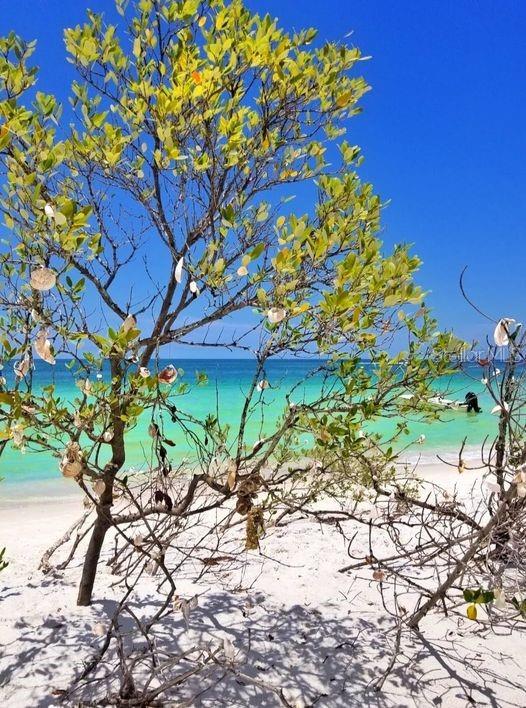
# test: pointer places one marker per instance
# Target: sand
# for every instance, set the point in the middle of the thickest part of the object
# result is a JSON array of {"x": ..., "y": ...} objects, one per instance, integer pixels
[{"x": 294, "y": 620}]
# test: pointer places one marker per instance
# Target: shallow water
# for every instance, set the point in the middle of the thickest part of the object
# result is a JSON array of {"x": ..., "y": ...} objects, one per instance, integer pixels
[{"x": 228, "y": 383}]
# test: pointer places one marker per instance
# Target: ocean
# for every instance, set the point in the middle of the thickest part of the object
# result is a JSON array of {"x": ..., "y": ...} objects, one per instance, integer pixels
[{"x": 228, "y": 380}]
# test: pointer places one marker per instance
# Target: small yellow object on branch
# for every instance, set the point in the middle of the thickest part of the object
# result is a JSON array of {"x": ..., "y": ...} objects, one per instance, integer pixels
[{"x": 471, "y": 612}]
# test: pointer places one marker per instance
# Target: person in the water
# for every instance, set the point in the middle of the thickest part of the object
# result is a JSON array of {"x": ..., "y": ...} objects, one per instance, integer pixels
[{"x": 472, "y": 402}]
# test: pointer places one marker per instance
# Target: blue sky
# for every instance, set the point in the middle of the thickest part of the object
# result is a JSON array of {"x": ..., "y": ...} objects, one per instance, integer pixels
[{"x": 443, "y": 130}]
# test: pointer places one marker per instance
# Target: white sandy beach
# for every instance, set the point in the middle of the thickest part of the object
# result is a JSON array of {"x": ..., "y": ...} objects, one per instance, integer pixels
[{"x": 295, "y": 622}]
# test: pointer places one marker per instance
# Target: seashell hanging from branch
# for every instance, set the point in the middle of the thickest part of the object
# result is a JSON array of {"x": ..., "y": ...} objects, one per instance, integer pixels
[
  {"x": 72, "y": 464},
  {"x": 502, "y": 331},
  {"x": 276, "y": 315},
  {"x": 85, "y": 386},
  {"x": 194, "y": 288},
  {"x": 178, "y": 275},
  {"x": 49, "y": 211},
  {"x": 242, "y": 271},
  {"x": 43, "y": 279},
  {"x": 17, "y": 434},
  {"x": 262, "y": 385},
  {"x": 168, "y": 374},
  {"x": 232, "y": 475},
  {"x": 21, "y": 368},
  {"x": 130, "y": 322},
  {"x": 144, "y": 372},
  {"x": 43, "y": 347},
  {"x": 99, "y": 487}
]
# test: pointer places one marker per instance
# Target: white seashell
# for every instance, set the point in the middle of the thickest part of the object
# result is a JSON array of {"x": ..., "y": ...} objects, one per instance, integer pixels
[
  {"x": 49, "y": 211},
  {"x": 99, "y": 376},
  {"x": 242, "y": 271},
  {"x": 108, "y": 435},
  {"x": 194, "y": 287},
  {"x": 99, "y": 487},
  {"x": 144, "y": 372},
  {"x": 43, "y": 347},
  {"x": 43, "y": 279},
  {"x": 421, "y": 439},
  {"x": 276, "y": 315},
  {"x": 500, "y": 408},
  {"x": 179, "y": 270},
  {"x": 21, "y": 368},
  {"x": 501, "y": 333},
  {"x": 262, "y": 385},
  {"x": 17, "y": 434},
  {"x": 130, "y": 322}
]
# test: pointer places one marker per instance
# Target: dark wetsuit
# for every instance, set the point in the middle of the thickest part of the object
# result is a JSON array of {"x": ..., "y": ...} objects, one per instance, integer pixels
[{"x": 472, "y": 403}]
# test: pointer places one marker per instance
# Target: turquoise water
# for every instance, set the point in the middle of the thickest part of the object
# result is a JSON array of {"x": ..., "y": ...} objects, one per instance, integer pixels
[{"x": 229, "y": 380}]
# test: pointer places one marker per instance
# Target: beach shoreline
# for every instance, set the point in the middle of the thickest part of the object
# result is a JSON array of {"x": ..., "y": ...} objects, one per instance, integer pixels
[{"x": 56, "y": 488}]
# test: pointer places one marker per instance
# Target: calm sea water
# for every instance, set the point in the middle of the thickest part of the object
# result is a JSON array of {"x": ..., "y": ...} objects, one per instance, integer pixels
[{"x": 228, "y": 382}]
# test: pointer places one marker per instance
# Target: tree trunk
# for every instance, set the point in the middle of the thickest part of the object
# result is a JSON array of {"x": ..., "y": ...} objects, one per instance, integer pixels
[
  {"x": 104, "y": 520},
  {"x": 91, "y": 559}
]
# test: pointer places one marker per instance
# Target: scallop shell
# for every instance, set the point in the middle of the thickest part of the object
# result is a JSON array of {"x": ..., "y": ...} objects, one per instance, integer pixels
[
  {"x": 43, "y": 279},
  {"x": 71, "y": 464}
]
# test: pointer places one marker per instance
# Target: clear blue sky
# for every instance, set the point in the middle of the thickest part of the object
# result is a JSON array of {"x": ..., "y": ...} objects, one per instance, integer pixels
[{"x": 443, "y": 131}]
